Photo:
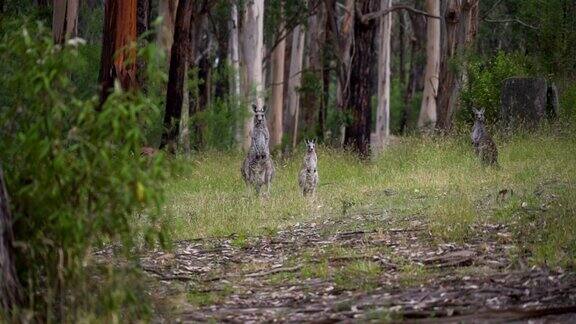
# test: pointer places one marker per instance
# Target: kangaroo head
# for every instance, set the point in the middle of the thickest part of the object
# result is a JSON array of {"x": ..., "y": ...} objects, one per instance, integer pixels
[
  {"x": 259, "y": 114},
  {"x": 310, "y": 146},
  {"x": 479, "y": 114}
]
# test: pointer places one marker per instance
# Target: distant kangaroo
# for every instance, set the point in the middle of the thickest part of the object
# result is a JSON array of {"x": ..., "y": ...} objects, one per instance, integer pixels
[
  {"x": 258, "y": 168},
  {"x": 484, "y": 146},
  {"x": 308, "y": 177}
]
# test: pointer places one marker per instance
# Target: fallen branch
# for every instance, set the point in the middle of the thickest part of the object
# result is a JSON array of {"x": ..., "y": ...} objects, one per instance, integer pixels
[{"x": 273, "y": 271}]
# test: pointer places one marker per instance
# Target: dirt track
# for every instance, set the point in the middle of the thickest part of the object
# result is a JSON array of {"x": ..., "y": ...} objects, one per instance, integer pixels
[{"x": 319, "y": 272}]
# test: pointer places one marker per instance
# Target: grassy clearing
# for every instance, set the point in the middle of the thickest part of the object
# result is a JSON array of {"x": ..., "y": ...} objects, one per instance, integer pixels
[{"x": 437, "y": 180}]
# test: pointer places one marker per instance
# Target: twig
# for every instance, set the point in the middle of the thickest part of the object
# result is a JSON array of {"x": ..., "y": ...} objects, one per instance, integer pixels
[
  {"x": 273, "y": 271},
  {"x": 511, "y": 20},
  {"x": 373, "y": 15}
]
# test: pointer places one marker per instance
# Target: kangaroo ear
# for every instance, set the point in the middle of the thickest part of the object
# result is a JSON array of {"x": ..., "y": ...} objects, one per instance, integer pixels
[
  {"x": 483, "y": 110},
  {"x": 264, "y": 108},
  {"x": 474, "y": 110},
  {"x": 254, "y": 107}
]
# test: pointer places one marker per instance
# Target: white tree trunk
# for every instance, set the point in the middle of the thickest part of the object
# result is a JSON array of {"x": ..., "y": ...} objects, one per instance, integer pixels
[
  {"x": 295, "y": 78},
  {"x": 235, "y": 63},
  {"x": 277, "y": 93},
  {"x": 252, "y": 44},
  {"x": 184, "y": 136},
  {"x": 427, "y": 117},
  {"x": 383, "y": 111}
]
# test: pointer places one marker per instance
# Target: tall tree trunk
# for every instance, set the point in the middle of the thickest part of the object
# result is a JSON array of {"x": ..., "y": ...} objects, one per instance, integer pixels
[
  {"x": 64, "y": 20},
  {"x": 461, "y": 20},
  {"x": 143, "y": 16},
  {"x": 427, "y": 117},
  {"x": 184, "y": 136},
  {"x": 235, "y": 63},
  {"x": 142, "y": 26},
  {"x": 328, "y": 54},
  {"x": 118, "y": 59},
  {"x": 416, "y": 70},
  {"x": 201, "y": 57},
  {"x": 341, "y": 38},
  {"x": 313, "y": 94},
  {"x": 383, "y": 111},
  {"x": 361, "y": 80},
  {"x": 278, "y": 57},
  {"x": 165, "y": 37},
  {"x": 402, "y": 49},
  {"x": 252, "y": 44},
  {"x": 295, "y": 79},
  {"x": 10, "y": 289},
  {"x": 175, "y": 91}
]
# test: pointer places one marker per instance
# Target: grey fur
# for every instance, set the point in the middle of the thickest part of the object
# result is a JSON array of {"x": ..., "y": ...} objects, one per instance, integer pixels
[
  {"x": 308, "y": 178},
  {"x": 484, "y": 146},
  {"x": 258, "y": 168}
]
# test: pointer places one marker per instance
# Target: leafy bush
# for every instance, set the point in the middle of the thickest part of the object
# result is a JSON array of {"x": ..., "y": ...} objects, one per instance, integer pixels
[
  {"x": 485, "y": 83},
  {"x": 73, "y": 171}
]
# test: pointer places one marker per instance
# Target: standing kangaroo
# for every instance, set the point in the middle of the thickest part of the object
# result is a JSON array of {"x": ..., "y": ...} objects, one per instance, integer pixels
[
  {"x": 484, "y": 146},
  {"x": 308, "y": 177},
  {"x": 258, "y": 168}
]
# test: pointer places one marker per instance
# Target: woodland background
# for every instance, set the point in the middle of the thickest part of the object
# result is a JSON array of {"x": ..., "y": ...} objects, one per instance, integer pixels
[{"x": 89, "y": 85}]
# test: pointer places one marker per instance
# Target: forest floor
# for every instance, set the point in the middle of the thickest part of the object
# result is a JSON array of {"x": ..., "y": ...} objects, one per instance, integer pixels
[
  {"x": 420, "y": 233},
  {"x": 322, "y": 272}
]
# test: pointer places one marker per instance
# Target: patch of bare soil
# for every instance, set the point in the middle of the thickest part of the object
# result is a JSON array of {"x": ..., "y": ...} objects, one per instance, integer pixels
[{"x": 314, "y": 272}]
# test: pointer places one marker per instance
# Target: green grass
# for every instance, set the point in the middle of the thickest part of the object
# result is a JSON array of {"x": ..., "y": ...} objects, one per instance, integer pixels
[
  {"x": 204, "y": 298},
  {"x": 438, "y": 180}
]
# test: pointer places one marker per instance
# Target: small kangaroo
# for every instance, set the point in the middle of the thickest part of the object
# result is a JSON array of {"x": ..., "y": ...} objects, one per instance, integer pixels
[
  {"x": 258, "y": 167},
  {"x": 308, "y": 177},
  {"x": 484, "y": 146}
]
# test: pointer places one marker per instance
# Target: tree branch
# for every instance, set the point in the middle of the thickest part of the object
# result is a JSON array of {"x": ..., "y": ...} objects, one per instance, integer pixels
[
  {"x": 511, "y": 20},
  {"x": 373, "y": 15}
]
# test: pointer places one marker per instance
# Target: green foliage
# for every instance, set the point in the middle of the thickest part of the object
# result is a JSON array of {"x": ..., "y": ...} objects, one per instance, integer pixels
[
  {"x": 568, "y": 103},
  {"x": 214, "y": 125},
  {"x": 73, "y": 170},
  {"x": 485, "y": 83}
]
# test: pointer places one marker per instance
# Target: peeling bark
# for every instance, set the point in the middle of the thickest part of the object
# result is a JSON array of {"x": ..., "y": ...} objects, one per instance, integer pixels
[
  {"x": 427, "y": 117},
  {"x": 118, "y": 59}
]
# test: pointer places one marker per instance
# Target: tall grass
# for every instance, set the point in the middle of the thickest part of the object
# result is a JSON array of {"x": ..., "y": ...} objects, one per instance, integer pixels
[{"x": 437, "y": 180}]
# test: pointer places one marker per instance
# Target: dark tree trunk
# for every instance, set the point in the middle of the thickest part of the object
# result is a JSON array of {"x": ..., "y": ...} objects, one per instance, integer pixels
[
  {"x": 144, "y": 12},
  {"x": 362, "y": 80},
  {"x": 143, "y": 25},
  {"x": 312, "y": 80},
  {"x": 417, "y": 65},
  {"x": 118, "y": 59},
  {"x": 175, "y": 92},
  {"x": 10, "y": 290}
]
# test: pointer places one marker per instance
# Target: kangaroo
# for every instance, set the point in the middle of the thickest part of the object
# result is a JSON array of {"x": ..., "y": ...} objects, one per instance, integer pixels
[
  {"x": 484, "y": 146},
  {"x": 258, "y": 168},
  {"x": 308, "y": 177}
]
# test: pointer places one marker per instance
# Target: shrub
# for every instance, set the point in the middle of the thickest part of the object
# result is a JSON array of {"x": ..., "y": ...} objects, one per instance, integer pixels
[
  {"x": 74, "y": 172},
  {"x": 485, "y": 83}
]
